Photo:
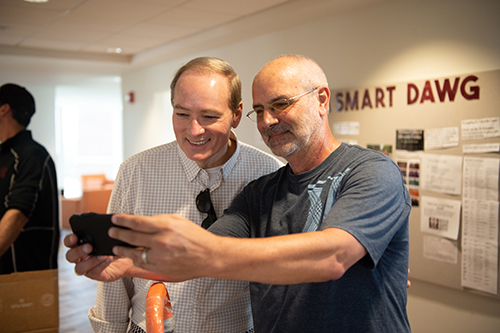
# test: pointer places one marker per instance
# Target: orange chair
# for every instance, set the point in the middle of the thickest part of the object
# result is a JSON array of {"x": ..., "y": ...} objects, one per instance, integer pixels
[
  {"x": 93, "y": 182},
  {"x": 96, "y": 190}
]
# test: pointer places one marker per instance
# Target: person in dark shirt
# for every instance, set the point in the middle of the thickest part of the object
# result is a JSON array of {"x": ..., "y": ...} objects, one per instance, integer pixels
[{"x": 29, "y": 209}]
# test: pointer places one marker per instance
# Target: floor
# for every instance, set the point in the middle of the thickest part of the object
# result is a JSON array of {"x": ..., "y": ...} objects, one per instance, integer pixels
[{"x": 76, "y": 296}]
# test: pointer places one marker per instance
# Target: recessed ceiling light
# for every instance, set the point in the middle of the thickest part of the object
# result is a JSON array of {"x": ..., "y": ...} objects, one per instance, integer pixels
[
  {"x": 36, "y": 1},
  {"x": 114, "y": 50}
]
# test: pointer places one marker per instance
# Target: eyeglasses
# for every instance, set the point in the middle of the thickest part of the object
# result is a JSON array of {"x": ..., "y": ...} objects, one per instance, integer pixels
[
  {"x": 276, "y": 107},
  {"x": 204, "y": 205}
]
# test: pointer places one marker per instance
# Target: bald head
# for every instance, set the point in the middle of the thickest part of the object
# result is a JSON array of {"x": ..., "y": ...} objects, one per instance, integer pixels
[
  {"x": 296, "y": 70},
  {"x": 291, "y": 102}
]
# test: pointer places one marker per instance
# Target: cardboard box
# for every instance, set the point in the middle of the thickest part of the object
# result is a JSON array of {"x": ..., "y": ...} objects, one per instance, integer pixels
[{"x": 29, "y": 302}]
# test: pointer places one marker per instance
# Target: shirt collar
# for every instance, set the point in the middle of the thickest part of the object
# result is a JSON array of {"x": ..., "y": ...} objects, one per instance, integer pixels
[
  {"x": 193, "y": 170},
  {"x": 20, "y": 136}
]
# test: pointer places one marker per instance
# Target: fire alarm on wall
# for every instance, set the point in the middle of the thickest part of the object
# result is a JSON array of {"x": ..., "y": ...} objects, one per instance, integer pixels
[{"x": 130, "y": 97}]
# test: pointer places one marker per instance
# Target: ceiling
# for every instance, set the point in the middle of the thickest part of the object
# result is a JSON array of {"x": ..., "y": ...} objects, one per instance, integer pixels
[
  {"x": 97, "y": 29},
  {"x": 119, "y": 27}
]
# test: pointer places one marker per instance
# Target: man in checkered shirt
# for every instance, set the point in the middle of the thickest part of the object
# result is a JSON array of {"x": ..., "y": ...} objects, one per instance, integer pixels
[{"x": 206, "y": 162}]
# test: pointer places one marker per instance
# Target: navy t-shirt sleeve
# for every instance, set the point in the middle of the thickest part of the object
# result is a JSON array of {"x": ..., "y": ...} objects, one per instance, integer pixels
[{"x": 371, "y": 207}]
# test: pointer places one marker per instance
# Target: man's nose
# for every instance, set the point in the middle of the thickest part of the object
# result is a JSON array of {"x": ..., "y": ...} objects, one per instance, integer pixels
[
  {"x": 196, "y": 128},
  {"x": 268, "y": 117}
]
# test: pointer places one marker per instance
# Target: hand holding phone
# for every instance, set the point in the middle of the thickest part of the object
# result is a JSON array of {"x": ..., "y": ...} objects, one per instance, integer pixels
[{"x": 93, "y": 228}]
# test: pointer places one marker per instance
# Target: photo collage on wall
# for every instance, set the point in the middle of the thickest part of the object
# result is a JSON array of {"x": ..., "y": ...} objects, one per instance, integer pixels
[
  {"x": 411, "y": 141},
  {"x": 410, "y": 170}
]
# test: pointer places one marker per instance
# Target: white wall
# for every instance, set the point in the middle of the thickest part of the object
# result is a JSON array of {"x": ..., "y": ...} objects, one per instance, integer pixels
[{"x": 388, "y": 42}]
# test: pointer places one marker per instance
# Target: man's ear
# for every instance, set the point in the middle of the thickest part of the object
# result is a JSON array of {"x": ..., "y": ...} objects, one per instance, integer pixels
[
  {"x": 237, "y": 116},
  {"x": 4, "y": 109},
  {"x": 324, "y": 100}
]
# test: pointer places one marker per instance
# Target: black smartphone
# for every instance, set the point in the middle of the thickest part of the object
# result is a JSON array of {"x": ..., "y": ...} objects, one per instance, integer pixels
[{"x": 93, "y": 228}]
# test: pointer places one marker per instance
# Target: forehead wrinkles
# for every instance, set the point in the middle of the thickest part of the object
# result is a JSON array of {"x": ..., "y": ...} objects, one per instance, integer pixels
[
  {"x": 276, "y": 81},
  {"x": 193, "y": 86},
  {"x": 205, "y": 80}
]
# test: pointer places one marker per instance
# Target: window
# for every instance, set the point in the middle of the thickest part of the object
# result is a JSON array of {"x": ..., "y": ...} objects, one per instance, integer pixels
[{"x": 89, "y": 132}]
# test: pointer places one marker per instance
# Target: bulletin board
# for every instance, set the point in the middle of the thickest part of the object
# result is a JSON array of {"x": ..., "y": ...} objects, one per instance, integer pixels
[{"x": 453, "y": 119}]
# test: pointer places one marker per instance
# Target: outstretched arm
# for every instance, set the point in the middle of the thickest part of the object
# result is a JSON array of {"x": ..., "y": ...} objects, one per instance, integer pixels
[{"x": 178, "y": 250}]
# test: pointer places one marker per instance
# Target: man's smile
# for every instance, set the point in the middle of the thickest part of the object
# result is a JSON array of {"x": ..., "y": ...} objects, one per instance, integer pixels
[{"x": 198, "y": 142}]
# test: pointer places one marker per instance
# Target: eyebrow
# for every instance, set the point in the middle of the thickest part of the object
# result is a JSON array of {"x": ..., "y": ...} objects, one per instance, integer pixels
[
  {"x": 271, "y": 101},
  {"x": 178, "y": 106}
]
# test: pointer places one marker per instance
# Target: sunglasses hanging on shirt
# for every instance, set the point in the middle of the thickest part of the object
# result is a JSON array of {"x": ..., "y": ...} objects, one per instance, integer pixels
[{"x": 204, "y": 205}]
